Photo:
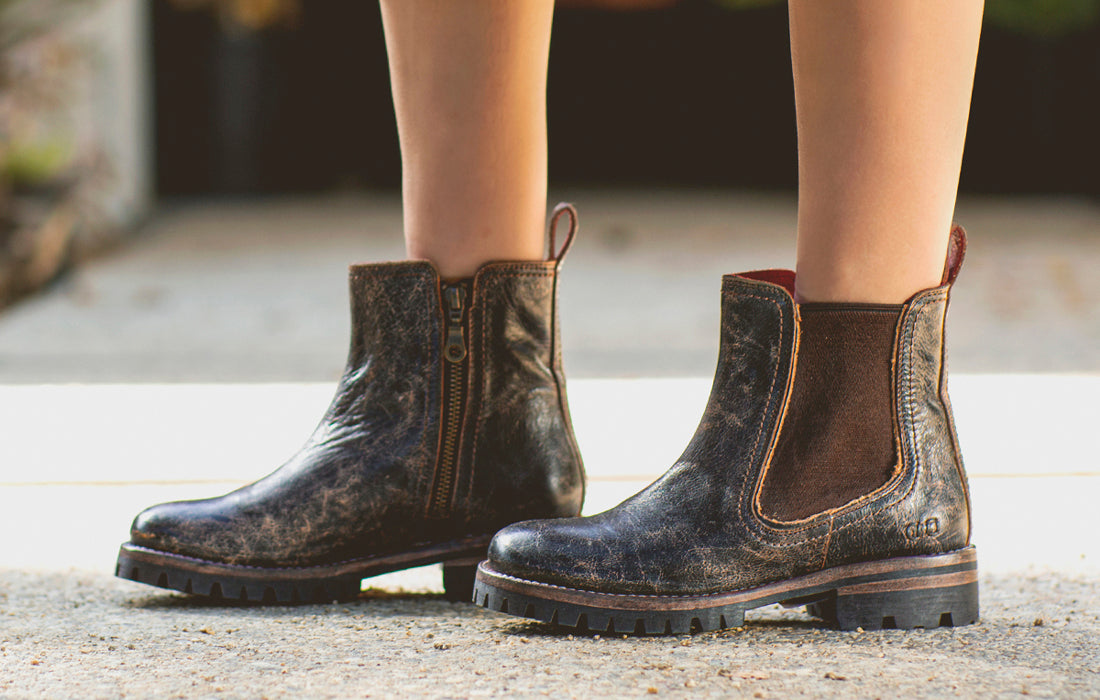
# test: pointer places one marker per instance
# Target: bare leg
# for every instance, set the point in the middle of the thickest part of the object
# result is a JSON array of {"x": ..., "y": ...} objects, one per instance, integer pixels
[
  {"x": 469, "y": 88},
  {"x": 883, "y": 94}
]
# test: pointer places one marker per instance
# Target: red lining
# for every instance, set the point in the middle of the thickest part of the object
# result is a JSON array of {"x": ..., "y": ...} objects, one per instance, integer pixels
[{"x": 783, "y": 278}]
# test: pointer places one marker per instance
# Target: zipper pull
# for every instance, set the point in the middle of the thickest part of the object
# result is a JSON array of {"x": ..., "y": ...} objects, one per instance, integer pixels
[{"x": 454, "y": 350}]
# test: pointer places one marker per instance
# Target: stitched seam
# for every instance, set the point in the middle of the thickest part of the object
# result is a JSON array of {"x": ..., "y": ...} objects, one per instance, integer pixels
[{"x": 695, "y": 595}]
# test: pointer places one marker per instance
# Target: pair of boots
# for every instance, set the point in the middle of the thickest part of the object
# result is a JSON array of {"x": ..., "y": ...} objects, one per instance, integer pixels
[{"x": 825, "y": 471}]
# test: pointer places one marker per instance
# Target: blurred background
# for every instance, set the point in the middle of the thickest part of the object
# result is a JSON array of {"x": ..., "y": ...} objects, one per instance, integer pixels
[
  {"x": 257, "y": 138},
  {"x": 184, "y": 182}
]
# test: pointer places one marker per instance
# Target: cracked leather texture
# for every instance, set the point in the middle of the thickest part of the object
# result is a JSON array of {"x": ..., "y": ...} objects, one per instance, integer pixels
[
  {"x": 361, "y": 484},
  {"x": 699, "y": 529}
]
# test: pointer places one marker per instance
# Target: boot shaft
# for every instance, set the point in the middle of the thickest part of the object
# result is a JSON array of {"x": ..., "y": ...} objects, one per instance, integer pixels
[{"x": 468, "y": 376}]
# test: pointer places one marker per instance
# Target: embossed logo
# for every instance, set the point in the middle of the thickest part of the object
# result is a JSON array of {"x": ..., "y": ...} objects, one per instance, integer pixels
[{"x": 926, "y": 528}]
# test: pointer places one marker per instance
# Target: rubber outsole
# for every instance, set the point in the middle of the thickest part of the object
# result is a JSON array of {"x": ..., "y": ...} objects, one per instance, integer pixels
[
  {"x": 340, "y": 581},
  {"x": 901, "y": 593}
]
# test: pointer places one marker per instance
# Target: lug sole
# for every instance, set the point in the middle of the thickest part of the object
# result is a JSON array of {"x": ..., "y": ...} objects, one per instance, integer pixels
[
  {"x": 903, "y": 593},
  {"x": 341, "y": 581}
]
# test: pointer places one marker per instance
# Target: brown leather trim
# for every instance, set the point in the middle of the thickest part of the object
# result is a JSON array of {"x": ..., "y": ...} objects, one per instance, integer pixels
[
  {"x": 791, "y": 588},
  {"x": 959, "y": 578},
  {"x": 765, "y": 465}
]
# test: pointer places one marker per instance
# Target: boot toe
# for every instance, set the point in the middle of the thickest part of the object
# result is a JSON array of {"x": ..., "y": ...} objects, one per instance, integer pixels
[
  {"x": 561, "y": 551},
  {"x": 189, "y": 528},
  {"x": 159, "y": 527}
]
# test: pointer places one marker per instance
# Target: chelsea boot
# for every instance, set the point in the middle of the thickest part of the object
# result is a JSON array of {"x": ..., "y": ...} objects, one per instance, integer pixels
[
  {"x": 450, "y": 422},
  {"x": 750, "y": 514}
]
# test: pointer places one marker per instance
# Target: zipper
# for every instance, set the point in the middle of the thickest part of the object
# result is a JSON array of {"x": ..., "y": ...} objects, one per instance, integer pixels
[{"x": 455, "y": 368}]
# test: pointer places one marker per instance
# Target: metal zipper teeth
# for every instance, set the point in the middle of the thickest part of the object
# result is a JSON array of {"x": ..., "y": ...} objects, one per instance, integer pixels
[{"x": 454, "y": 384}]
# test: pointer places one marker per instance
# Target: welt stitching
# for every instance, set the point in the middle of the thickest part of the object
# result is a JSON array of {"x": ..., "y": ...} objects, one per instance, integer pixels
[
  {"x": 667, "y": 596},
  {"x": 631, "y": 595}
]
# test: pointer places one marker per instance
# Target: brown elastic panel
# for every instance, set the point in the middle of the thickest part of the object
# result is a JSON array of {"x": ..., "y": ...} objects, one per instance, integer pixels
[{"x": 837, "y": 439}]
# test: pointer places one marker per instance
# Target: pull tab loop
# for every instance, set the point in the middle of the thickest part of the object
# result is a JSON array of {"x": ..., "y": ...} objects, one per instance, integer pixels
[
  {"x": 956, "y": 251},
  {"x": 560, "y": 210}
]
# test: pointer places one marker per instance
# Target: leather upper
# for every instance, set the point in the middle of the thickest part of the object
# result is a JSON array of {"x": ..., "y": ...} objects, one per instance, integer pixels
[
  {"x": 360, "y": 485},
  {"x": 699, "y": 528}
]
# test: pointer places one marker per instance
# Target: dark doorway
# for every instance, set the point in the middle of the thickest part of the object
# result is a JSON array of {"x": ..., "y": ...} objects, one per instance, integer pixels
[{"x": 695, "y": 95}]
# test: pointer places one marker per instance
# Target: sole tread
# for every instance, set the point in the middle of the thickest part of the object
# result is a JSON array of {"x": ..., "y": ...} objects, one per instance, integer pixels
[
  {"x": 274, "y": 587},
  {"x": 938, "y": 591}
]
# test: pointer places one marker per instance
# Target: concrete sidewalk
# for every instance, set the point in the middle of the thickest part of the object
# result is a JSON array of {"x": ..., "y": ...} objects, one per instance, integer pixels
[
  {"x": 67, "y": 628},
  {"x": 200, "y": 357}
]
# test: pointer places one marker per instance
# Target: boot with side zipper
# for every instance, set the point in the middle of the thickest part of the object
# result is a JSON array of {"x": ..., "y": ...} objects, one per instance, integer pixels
[
  {"x": 825, "y": 472},
  {"x": 450, "y": 422}
]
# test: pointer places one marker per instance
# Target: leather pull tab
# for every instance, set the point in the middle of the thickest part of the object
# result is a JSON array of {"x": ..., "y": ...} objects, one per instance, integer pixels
[
  {"x": 956, "y": 251},
  {"x": 562, "y": 209}
]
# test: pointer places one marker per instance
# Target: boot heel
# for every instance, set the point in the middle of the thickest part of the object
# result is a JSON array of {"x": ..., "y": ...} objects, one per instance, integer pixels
[
  {"x": 458, "y": 580},
  {"x": 937, "y": 600}
]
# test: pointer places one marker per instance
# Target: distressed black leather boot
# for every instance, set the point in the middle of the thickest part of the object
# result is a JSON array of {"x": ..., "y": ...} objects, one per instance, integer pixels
[
  {"x": 700, "y": 546},
  {"x": 449, "y": 423}
]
